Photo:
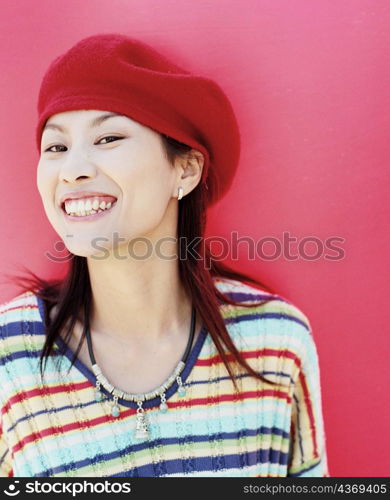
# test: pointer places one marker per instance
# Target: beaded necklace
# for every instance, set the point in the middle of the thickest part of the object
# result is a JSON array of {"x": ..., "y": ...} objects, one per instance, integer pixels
[{"x": 141, "y": 430}]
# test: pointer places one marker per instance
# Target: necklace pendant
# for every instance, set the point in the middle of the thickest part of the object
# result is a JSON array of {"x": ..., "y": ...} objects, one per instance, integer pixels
[
  {"x": 163, "y": 405},
  {"x": 115, "y": 410},
  {"x": 98, "y": 393},
  {"x": 141, "y": 430},
  {"x": 181, "y": 391},
  {"x": 141, "y": 434}
]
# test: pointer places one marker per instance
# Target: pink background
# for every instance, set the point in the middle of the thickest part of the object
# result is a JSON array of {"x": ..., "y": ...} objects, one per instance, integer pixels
[{"x": 310, "y": 86}]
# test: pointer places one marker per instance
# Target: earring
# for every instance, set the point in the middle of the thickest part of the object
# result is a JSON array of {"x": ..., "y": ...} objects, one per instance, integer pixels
[{"x": 179, "y": 193}]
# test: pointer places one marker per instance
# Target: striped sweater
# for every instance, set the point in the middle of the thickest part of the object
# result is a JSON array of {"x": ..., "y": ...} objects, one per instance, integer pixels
[{"x": 57, "y": 428}]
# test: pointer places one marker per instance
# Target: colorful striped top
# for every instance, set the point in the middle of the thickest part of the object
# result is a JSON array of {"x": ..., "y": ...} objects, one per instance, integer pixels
[{"x": 57, "y": 428}]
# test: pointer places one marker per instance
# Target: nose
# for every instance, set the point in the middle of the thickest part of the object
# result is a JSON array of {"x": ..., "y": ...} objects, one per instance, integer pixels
[{"x": 77, "y": 166}]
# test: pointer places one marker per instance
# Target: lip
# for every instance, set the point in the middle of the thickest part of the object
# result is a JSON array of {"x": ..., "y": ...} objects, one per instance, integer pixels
[{"x": 74, "y": 195}]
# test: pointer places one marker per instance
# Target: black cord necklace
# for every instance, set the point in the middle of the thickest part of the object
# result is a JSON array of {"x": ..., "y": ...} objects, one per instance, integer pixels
[{"x": 141, "y": 428}]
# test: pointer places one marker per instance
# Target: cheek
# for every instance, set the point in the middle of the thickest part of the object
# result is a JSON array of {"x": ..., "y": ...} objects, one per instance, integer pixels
[
  {"x": 151, "y": 193},
  {"x": 42, "y": 177},
  {"x": 39, "y": 179},
  {"x": 46, "y": 183},
  {"x": 146, "y": 195},
  {"x": 145, "y": 182}
]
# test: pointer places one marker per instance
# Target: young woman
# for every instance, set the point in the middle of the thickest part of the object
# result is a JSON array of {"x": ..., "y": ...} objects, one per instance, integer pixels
[{"x": 150, "y": 358}]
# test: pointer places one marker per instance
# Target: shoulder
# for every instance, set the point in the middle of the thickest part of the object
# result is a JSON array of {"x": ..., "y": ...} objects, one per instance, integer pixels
[
  {"x": 254, "y": 302},
  {"x": 21, "y": 339},
  {"x": 23, "y": 314},
  {"x": 268, "y": 328},
  {"x": 21, "y": 308}
]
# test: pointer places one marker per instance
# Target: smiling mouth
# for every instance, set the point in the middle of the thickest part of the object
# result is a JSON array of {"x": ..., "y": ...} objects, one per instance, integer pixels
[{"x": 83, "y": 214}]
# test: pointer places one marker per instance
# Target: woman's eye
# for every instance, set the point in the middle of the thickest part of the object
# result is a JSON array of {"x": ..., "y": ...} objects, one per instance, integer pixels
[
  {"x": 109, "y": 137},
  {"x": 49, "y": 150}
]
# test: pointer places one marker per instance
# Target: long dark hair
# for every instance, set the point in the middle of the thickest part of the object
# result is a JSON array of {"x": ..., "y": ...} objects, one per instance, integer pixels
[{"x": 72, "y": 295}]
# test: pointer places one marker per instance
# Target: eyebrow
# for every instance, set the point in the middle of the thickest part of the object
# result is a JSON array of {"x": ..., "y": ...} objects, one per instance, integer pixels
[{"x": 93, "y": 123}]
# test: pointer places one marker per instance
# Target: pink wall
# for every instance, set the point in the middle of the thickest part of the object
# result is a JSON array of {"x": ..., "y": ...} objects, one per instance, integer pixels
[{"x": 309, "y": 83}]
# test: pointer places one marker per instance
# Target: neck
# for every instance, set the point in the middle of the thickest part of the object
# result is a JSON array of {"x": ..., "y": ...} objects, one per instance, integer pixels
[{"x": 138, "y": 301}]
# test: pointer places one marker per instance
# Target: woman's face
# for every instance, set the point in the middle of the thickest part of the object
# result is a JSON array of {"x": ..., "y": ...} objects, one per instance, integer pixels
[{"x": 117, "y": 157}]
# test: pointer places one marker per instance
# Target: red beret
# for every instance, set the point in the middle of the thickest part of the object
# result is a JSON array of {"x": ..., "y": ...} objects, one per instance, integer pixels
[{"x": 114, "y": 72}]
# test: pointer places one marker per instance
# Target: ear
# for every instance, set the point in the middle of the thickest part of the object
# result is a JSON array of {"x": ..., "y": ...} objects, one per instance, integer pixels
[{"x": 190, "y": 170}]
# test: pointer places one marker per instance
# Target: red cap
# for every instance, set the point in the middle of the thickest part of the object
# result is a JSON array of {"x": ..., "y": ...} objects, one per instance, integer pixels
[{"x": 114, "y": 72}]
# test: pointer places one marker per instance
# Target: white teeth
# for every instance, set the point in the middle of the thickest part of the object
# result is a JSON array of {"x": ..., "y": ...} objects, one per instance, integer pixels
[
  {"x": 86, "y": 207},
  {"x": 71, "y": 206}
]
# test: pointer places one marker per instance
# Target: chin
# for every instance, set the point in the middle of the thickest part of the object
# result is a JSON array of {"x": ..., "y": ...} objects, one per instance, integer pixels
[{"x": 85, "y": 250}]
